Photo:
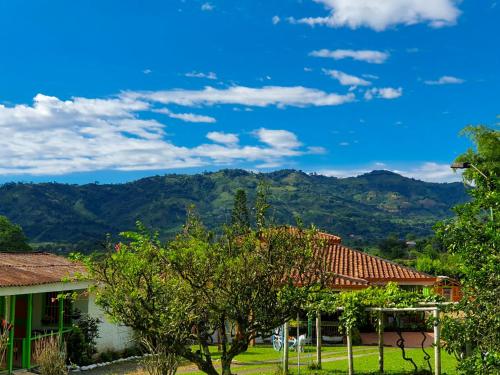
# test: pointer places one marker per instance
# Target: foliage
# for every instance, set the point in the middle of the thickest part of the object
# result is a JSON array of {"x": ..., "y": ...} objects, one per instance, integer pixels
[
  {"x": 82, "y": 342},
  {"x": 12, "y": 237},
  {"x": 352, "y": 304},
  {"x": 473, "y": 332},
  {"x": 240, "y": 217},
  {"x": 50, "y": 357},
  {"x": 361, "y": 209},
  {"x": 178, "y": 294}
]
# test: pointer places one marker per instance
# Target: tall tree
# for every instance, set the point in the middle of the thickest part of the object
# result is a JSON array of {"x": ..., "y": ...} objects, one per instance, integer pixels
[
  {"x": 241, "y": 285},
  {"x": 240, "y": 217},
  {"x": 12, "y": 237},
  {"x": 474, "y": 237}
]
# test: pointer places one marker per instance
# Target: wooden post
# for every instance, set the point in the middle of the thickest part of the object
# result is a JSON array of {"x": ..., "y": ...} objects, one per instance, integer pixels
[
  {"x": 298, "y": 343},
  {"x": 349, "y": 351},
  {"x": 318, "y": 340},
  {"x": 12, "y": 321},
  {"x": 380, "y": 331},
  {"x": 285, "y": 349},
  {"x": 437, "y": 342}
]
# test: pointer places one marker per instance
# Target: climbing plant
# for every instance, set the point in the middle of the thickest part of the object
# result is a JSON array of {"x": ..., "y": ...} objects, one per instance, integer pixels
[{"x": 352, "y": 305}]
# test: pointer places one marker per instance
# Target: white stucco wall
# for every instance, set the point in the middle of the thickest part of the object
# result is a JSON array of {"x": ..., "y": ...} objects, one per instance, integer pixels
[{"x": 111, "y": 336}]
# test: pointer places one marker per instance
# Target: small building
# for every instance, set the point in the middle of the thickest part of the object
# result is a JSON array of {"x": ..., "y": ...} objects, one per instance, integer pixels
[
  {"x": 31, "y": 285},
  {"x": 449, "y": 288}
]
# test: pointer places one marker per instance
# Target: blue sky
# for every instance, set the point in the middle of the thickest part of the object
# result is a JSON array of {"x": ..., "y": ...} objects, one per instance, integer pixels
[{"x": 116, "y": 90}]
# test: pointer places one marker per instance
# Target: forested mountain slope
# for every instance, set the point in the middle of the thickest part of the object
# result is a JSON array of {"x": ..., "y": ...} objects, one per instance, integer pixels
[{"x": 360, "y": 209}]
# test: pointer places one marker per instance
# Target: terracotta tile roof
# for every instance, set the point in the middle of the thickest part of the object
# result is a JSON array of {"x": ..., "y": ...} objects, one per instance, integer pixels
[
  {"x": 344, "y": 261},
  {"x": 24, "y": 269},
  {"x": 345, "y": 282},
  {"x": 321, "y": 235}
]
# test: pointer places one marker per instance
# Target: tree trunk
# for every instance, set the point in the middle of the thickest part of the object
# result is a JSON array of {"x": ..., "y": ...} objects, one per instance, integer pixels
[{"x": 226, "y": 366}]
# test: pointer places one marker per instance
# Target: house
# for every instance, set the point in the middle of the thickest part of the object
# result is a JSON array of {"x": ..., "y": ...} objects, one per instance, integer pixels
[
  {"x": 354, "y": 269},
  {"x": 30, "y": 284}
]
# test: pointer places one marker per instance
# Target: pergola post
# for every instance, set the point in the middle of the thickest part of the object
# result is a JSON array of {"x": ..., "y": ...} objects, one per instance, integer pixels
[
  {"x": 349, "y": 351},
  {"x": 437, "y": 342},
  {"x": 285, "y": 348},
  {"x": 318, "y": 340},
  {"x": 298, "y": 343},
  {"x": 380, "y": 331},
  {"x": 12, "y": 320}
]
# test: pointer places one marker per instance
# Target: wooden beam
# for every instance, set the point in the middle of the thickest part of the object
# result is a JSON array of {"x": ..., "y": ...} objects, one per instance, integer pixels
[
  {"x": 380, "y": 331},
  {"x": 298, "y": 343},
  {"x": 318, "y": 340},
  {"x": 349, "y": 351},
  {"x": 437, "y": 342},
  {"x": 285, "y": 349}
]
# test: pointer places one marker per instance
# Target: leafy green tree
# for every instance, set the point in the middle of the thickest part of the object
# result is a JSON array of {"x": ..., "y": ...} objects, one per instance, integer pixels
[
  {"x": 473, "y": 334},
  {"x": 240, "y": 217},
  {"x": 12, "y": 237},
  {"x": 180, "y": 294}
]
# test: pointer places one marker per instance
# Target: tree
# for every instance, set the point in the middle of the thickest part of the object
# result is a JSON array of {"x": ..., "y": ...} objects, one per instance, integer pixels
[
  {"x": 179, "y": 294},
  {"x": 473, "y": 235},
  {"x": 240, "y": 218},
  {"x": 12, "y": 237}
]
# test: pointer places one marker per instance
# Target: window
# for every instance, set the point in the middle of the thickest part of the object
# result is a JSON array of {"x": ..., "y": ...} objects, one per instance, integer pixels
[
  {"x": 51, "y": 309},
  {"x": 447, "y": 293}
]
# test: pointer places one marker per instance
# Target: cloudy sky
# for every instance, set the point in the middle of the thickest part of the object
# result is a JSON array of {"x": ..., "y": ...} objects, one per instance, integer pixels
[{"x": 116, "y": 90}]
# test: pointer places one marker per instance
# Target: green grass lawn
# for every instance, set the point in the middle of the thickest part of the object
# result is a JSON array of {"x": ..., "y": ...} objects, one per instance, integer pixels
[{"x": 263, "y": 359}]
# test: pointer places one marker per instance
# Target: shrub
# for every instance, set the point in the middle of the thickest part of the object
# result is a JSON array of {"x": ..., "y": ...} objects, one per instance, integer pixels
[
  {"x": 50, "y": 356},
  {"x": 81, "y": 343},
  {"x": 106, "y": 356}
]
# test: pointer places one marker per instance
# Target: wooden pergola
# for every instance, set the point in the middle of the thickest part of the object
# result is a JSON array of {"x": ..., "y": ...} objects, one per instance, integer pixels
[{"x": 435, "y": 310}]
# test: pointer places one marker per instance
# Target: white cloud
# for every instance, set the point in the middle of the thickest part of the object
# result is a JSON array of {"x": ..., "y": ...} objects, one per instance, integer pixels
[
  {"x": 207, "y": 7},
  {"x": 188, "y": 117},
  {"x": 279, "y": 139},
  {"x": 147, "y": 71},
  {"x": 54, "y": 136},
  {"x": 276, "y": 20},
  {"x": 280, "y": 96},
  {"x": 224, "y": 138},
  {"x": 445, "y": 80},
  {"x": 428, "y": 171},
  {"x": 195, "y": 74},
  {"x": 432, "y": 172},
  {"x": 346, "y": 79},
  {"x": 382, "y": 14},
  {"x": 383, "y": 93},
  {"x": 369, "y": 56}
]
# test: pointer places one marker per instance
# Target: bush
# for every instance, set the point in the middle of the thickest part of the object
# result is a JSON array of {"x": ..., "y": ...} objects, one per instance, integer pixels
[
  {"x": 50, "y": 356},
  {"x": 131, "y": 352},
  {"x": 82, "y": 340},
  {"x": 106, "y": 356}
]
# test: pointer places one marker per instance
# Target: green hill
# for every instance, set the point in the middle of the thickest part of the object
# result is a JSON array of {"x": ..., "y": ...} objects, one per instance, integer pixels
[{"x": 361, "y": 209}]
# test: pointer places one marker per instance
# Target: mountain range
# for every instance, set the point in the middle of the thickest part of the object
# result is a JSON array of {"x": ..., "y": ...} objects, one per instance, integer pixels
[{"x": 362, "y": 210}]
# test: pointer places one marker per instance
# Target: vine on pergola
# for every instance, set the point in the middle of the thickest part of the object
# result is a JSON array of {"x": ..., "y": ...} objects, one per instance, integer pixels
[{"x": 352, "y": 305}]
